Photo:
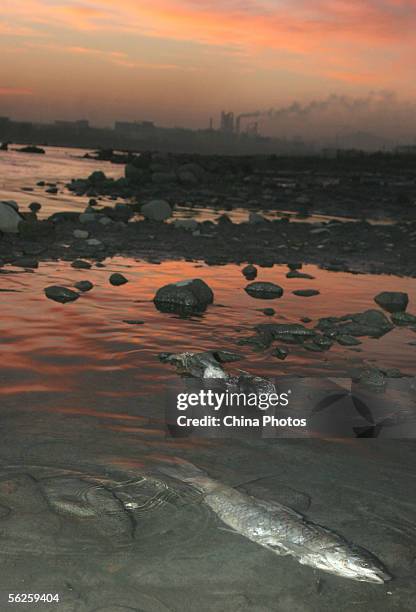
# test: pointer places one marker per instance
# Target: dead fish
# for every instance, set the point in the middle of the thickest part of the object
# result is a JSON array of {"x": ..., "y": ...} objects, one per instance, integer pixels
[{"x": 280, "y": 529}]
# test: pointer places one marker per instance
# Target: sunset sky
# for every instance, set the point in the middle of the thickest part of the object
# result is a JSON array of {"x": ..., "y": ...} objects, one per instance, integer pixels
[{"x": 178, "y": 62}]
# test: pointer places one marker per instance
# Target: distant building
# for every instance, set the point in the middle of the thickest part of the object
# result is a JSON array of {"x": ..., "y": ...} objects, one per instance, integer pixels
[
  {"x": 80, "y": 124},
  {"x": 407, "y": 149},
  {"x": 134, "y": 128},
  {"x": 227, "y": 122}
]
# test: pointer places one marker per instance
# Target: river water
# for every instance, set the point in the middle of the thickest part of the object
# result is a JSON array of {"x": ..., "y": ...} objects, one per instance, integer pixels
[{"x": 82, "y": 406}]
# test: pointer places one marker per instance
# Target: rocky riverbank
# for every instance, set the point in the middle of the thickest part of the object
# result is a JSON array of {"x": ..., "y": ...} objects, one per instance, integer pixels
[
  {"x": 375, "y": 195},
  {"x": 100, "y": 233}
]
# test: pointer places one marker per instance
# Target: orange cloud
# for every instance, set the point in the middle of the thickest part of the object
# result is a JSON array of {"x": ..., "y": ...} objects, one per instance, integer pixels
[{"x": 350, "y": 41}]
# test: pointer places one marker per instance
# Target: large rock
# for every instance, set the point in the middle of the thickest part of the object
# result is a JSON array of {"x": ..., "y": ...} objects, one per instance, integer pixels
[
  {"x": 9, "y": 217},
  {"x": 369, "y": 323},
  {"x": 265, "y": 291},
  {"x": 61, "y": 294},
  {"x": 392, "y": 301},
  {"x": 156, "y": 210},
  {"x": 193, "y": 294}
]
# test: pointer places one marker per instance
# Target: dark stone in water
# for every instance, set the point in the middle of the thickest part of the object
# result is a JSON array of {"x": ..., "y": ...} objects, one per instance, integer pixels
[
  {"x": 133, "y": 321},
  {"x": 81, "y": 264},
  {"x": 250, "y": 272},
  {"x": 35, "y": 207},
  {"x": 84, "y": 285},
  {"x": 191, "y": 294},
  {"x": 369, "y": 323},
  {"x": 392, "y": 301},
  {"x": 306, "y": 292},
  {"x": 296, "y": 274},
  {"x": 61, "y": 294},
  {"x": 264, "y": 291},
  {"x": 117, "y": 279}
]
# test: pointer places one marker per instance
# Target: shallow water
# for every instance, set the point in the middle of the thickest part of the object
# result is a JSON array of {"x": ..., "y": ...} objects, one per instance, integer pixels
[
  {"x": 59, "y": 165},
  {"x": 90, "y": 336},
  {"x": 83, "y": 397}
]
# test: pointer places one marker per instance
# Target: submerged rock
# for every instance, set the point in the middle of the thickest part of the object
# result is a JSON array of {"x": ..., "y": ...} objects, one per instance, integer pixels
[
  {"x": 61, "y": 294},
  {"x": 294, "y": 333},
  {"x": 156, "y": 210},
  {"x": 296, "y": 274},
  {"x": 392, "y": 301},
  {"x": 306, "y": 292},
  {"x": 403, "y": 318},
  {"x": 346, "y": 340},
  {"x": 117, "y": 279},
  {"x": 372, "y": 323},
  {"x": 264, "y": 290},
  {"x": 188, "y": 294}
]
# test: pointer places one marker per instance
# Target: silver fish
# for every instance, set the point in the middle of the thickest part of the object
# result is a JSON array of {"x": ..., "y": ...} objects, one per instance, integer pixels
[{"x": 280, "y": 529}]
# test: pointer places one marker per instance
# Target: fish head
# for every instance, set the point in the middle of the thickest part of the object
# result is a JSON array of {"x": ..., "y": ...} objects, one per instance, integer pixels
[{"x": 352, "y": 562}]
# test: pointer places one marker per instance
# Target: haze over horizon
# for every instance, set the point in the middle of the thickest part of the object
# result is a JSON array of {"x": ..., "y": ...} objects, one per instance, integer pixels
[{"x": 348, "y": 64}]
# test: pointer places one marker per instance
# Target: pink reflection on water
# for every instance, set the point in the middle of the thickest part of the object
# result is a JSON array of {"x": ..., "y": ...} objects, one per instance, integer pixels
[{"x": 87, "y": 345}]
